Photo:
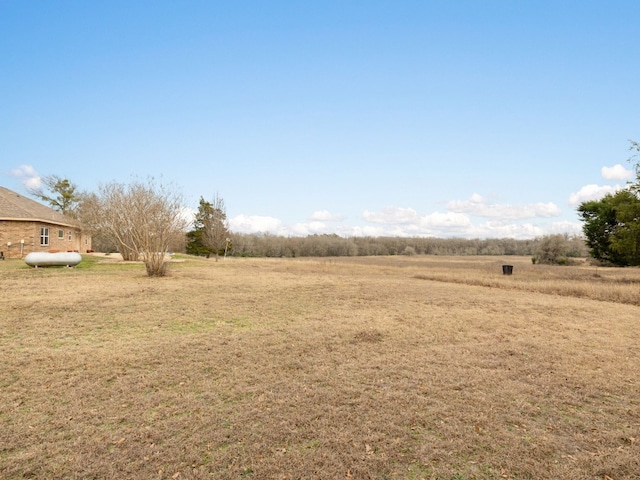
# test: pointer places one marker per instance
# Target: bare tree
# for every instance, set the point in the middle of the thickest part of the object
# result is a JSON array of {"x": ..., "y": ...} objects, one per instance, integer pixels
[
  {"x": 216, "y": 231},
  {"x": 142, "y": 219},
  {"x": 89, "y": 216}
]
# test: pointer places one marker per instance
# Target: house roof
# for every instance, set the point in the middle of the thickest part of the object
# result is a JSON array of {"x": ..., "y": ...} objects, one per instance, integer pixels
[{"x": 14, "y": 206}]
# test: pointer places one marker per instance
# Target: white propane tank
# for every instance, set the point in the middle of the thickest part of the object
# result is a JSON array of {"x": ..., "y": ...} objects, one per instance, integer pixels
[{"x": 57, "y": 259}]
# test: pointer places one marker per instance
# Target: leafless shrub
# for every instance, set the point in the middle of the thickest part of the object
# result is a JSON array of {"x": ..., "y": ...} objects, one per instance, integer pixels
[{"x": 142, "y": 219}]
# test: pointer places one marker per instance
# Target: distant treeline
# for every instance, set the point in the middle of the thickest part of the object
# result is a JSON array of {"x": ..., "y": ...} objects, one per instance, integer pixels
[{"x": 266, "y": 245}]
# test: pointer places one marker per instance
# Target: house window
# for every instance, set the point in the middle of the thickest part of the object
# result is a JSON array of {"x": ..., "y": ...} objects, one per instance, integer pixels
[
  {"x": 60, "y": 234},
  {"x": 69, "y": 236},
  {"x": 44, "y": 236}
]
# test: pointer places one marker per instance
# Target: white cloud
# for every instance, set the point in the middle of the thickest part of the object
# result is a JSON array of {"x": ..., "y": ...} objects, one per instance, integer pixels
[
  {"x": 255, "y": 224},
  {"x": 325, "y": 216},
  {"x": 497, "y": 229},
  {"x": 321, "y": 222},
  {"x": 476, "y": 205},
  {"x": 24, "y": 170},
  {"x": 460, "y": 219},
  {"x": 28, "y": 176},
  {"x": 572, "y": 228},
  {"x": 300, "y": 230},
  {"x": 617, "y": 172},
  {"x": 591, "y": 192},
  {"x": 445, "y": 220},
  {"x": 311, "y": 228},
  {"x": 383, "y": 224},
  {"x": 521, "y": 231},
  {"x": 452, "y": 224},
  {"x": 391, "y": 216},
  {"x": 406, "y": 222}
]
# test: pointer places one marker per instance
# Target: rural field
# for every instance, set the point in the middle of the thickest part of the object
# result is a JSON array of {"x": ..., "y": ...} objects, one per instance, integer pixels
[{"x": 419, "y": 367}]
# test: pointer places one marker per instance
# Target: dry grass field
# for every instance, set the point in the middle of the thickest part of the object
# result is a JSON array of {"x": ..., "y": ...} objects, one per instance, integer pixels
[{"x": 349, "y": 368}]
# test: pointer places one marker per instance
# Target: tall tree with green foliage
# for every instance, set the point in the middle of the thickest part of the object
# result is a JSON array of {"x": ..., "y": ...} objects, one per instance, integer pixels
[
  {"x": 612, "y": 224},
  {"x": 58, "y": 192},
  {"x": 210, "y": 234},
  {"x": 626, "y": 237},
  {"x": 195, "y": 246}
]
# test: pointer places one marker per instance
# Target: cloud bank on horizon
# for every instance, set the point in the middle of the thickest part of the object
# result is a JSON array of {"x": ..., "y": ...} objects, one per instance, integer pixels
[{"x": 474, "y": 217}]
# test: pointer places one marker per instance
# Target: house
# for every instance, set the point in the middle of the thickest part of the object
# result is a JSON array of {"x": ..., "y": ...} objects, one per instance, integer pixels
[{"x": 28, "y": 226}]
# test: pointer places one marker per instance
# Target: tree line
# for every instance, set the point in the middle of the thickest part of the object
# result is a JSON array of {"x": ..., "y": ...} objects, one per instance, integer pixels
[{"x": 548, "y": 249}]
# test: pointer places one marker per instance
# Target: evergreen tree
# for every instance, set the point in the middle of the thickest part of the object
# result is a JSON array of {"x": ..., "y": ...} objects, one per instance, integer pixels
[
  {"x": 58, "y": 192},
  {"x": 210, "y": 234}
]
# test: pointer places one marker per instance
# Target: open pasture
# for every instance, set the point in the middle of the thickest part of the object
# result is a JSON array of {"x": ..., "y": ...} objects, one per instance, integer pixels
[{"x": 357, "y": 368}]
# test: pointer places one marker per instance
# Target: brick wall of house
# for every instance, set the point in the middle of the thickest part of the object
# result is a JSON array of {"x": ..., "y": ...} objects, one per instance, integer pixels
[{"x": 19, "y": 238}]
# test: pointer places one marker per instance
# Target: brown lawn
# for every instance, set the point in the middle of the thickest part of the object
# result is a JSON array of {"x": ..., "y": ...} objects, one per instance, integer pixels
[{"x": 357, "y": 368}]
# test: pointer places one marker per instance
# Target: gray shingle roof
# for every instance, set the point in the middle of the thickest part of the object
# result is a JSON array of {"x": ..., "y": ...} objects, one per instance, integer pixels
[{"x": 14, "y": 206}]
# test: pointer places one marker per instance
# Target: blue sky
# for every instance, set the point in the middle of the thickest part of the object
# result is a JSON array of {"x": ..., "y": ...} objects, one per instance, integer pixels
[{"x": 428, "y": 118}]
